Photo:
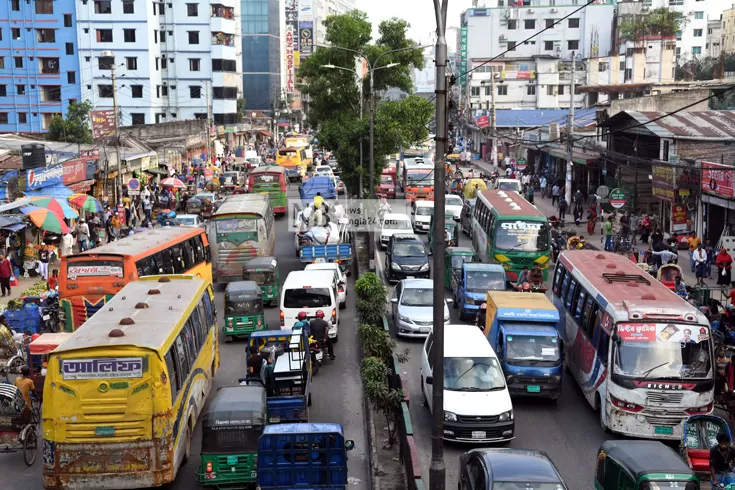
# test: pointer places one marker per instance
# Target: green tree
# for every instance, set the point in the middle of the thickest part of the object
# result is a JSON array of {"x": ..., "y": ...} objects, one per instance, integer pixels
[
  {"x": 241, "y": 111},
  {"x": 658, "y": 22},
  {"x": 75, "y": 127},
  {"x": 335, "y": 100}
]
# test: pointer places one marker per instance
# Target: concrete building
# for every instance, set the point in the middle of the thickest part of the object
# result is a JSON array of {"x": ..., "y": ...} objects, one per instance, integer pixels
[
  {"x": 728, "y": 30},
  {"x": 262, "y": 48},
  {"x": 39, "y": 65},
  {"x": 170, "y": 62},
  {"x": 325, "y": 8},
  {"x": 714, "y": 38}
]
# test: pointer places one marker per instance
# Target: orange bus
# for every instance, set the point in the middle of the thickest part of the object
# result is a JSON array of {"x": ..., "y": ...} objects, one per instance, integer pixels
[{"x": 90, "y": 279}]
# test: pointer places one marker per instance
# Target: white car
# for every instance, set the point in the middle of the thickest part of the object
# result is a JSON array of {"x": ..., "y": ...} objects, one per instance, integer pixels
[
  {"x": 509, "y": 185},
  {"x": 394, "y": 223},
  {"x": 323, "y": 170},
  {"x": 453, "y": 204},
  {"x": 339, "y": 276},
  {"x": 421, "y": 215},
  {"x": 190, "y": 220},
  {"x": 413, "y": 307}
]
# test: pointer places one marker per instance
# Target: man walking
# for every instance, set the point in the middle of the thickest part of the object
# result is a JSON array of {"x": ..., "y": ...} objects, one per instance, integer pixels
[
  {"x": 699, "y": 258},
  {"x": 554, "y": 194},
  {"x": 6, "y": 270},
  {"x": 82, "y": 235}
]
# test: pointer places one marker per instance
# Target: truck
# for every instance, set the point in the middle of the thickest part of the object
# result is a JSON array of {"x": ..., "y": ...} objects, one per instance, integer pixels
[
  {"x": 470, "y": 284},
  {"x": 319, "y": 241},
  {"x": 522, "y": 328},
  {"x": 418, "y": 181}
]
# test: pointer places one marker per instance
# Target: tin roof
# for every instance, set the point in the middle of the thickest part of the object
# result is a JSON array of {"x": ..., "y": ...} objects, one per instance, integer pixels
[{"x": 696, "y": 125}]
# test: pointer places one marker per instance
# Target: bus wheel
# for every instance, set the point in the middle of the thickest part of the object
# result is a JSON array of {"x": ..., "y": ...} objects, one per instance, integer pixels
[
  {"x": 187, "y": 442},
  {"x": 601, "y": 410}
]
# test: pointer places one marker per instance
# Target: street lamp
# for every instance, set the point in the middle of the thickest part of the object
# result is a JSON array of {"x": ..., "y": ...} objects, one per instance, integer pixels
[{"x": 372, "y": 67}]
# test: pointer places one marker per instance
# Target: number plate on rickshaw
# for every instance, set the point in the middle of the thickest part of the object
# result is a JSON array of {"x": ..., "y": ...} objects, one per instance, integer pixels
[
  {"x": 319, "y": 260},
  {"x": 533, "y": 389},
  {"x": 663, "y": 430},
  {"x": 232, "y": 460},
  {"x": 6, "y": 420},
  {"x": 478, "y": 434},
  {"x": 46, "y": 317}
]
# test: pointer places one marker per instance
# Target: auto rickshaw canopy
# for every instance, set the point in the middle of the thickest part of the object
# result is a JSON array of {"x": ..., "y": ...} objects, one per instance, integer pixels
[
  {"x": 47, "y": 342},
  {"x": 261, "y": 264},
  {"x": 237, "y": 406},
  {"x": 242, "y": 291},
  {"x": 641, "y": 458}
]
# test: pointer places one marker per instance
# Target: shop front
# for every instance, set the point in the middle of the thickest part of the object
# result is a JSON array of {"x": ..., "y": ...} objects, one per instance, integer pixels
[{"x": 718, "y": 202}]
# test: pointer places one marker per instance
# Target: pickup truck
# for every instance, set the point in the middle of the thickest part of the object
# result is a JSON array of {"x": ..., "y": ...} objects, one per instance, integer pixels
[{"x": 470, "y": 285}]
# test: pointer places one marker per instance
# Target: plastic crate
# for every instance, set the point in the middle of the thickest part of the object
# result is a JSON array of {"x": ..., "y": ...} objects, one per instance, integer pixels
[{"x": 15, "y": 318}]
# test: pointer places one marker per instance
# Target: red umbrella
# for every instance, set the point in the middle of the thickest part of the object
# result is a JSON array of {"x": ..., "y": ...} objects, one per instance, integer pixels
[{"x": 173, "y": 182}]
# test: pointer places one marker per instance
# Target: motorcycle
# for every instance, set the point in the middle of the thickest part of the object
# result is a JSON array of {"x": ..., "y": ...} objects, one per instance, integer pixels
[
  {"x": 556, "y": 223},
  {"x": 527, "y": 287},
  {"x": 557, "y": 245},
  {"x": 317, "y": 355},
  {"x": 50, "y": 313},
  {"x": 383, "y": 209}
]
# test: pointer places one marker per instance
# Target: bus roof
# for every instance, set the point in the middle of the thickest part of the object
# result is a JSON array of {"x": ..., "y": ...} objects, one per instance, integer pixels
[
  {"x": 509, "y": 203},
  {"x": 141, "y": 243},
  {"x": 625, "y": 290},
  {"x": 244, "y": 203},
  {"x": 145, "y": 326},
  {"x": 268, "y": 169}
]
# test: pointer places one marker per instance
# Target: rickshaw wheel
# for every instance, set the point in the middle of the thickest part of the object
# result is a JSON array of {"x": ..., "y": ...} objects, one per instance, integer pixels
[{"x": 30, "y": 446}]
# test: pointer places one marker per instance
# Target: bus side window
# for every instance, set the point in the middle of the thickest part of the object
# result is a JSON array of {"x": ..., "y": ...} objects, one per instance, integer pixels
[
  {"x": 168, "y": 262},
  {"x": 140, "y": 265},
  {"x": 177, "y": 256},
  {"x": 490, "y": 227},
  {"x": 569, "y": 294},
  {"x": 173, "y": 378},
  {"x": 558, "y": 277},
  {"x": 208, "y": 310},
  {"x": 157, "y": 263},
  {"x": 579, "y": 304},
  {"x": 196, "y": 248},
  {"x": 586, "y": 312},
  {"x": 201, "y": 324},
  {"x": 183, "y": 357},
  {"x": 188, "y": 255},
  {"x": 565, "y": 285},
  {"x": 191, "y": 343},
  {"x": 603, "y": 345}
]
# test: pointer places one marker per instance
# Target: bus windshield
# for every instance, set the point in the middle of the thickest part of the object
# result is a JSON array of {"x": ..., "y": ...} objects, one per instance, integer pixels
[
  {"x": 420, "y": 177},
  {"x": 663, "y": 350},
  {"x": 522, "y": 236},
  {"x": 473, "y": 374},
  {"x": 532, "y": 350},
  {"x": 265, "y": 178}
]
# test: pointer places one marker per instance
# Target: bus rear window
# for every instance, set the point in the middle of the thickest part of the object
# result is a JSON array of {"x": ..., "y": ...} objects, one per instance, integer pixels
[
  {"x": 265, "y": 178},
  {"x": 94, "y": 268},
  {"x": 307, "y": 298}
]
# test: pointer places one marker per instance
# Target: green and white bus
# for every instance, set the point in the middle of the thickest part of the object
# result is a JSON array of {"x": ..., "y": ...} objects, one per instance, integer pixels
[
  {"x": 508, "y": 230},
  {"x": 243, "y": 227}
]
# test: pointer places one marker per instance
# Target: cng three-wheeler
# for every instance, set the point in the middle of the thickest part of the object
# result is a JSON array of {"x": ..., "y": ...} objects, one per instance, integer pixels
[
  {"x": 265, "y": 272},
  {"x": 243, "y": 310}
]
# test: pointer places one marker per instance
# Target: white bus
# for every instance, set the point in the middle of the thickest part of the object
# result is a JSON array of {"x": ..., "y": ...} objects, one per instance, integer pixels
[{"x": 642, "y": 355}]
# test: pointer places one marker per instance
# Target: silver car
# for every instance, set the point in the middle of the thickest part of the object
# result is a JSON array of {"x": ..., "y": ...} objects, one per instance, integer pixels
[{"x": 412, "y": 305}]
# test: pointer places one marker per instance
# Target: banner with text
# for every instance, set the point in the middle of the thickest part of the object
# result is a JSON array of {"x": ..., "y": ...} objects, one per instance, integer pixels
[
  {"x": 663, "y": 183},
  {"x": 306, "y": 39},
  {"x": 718, "y": 179},
  {"x": 103, "y": 123},
  {"x": 292, "y": 55}
]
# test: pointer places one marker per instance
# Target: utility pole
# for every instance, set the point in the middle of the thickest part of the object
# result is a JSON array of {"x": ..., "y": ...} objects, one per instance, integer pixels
[
  {"x": 362, "y": 103},
  {"x": 117, "y": 133},
  {"x": 494, "y": 149},
  {"x": 437, "y": 470},
  {"x": 209, "y": 123},
  {"x": 371, "y": 195},
  {"x": 570, "y": 138}
]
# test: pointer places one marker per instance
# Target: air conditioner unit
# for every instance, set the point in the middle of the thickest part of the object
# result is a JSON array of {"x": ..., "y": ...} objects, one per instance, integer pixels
[
  {"x": 502, "y": 38},
  {"x": 530, "y": 12},
  {"x": 553, "y": 11}
]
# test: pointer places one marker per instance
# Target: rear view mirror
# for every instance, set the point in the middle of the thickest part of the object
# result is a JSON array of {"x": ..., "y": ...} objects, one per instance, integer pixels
[
  {"x": 430, "y": 380},
  {"x": 394, "y": 300},
  {"x": 349, "y": 445},
  {"x": 449, "y": 301}
]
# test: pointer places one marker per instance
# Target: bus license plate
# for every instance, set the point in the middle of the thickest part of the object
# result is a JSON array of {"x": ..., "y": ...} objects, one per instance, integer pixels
[
  {"x": 231, "y": 460},
  {"x": 319, "y": 260},
  {"x": 533, "y": 389},
  {"x": 663, "y": 430},
  {"x": 478, "y": 434},
  {"x": 104, "y": 431}
]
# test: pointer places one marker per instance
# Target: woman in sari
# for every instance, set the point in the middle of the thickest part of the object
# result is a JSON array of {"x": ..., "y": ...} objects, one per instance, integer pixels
[{"x": 591, "y": 221}]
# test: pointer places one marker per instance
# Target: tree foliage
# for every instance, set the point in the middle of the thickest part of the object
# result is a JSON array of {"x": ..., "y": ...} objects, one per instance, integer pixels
[
  {"x": 75, "y": 127},
  {"x": 658, "y": 22},
  {"x": 241, "y": 108},
  {"x": 337, "y": 95}
]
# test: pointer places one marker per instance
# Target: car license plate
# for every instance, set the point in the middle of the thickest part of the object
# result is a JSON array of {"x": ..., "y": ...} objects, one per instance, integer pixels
[
  {"x": 231, "y": 460},
  {"x": 424, "y": 330},
  {"x": 320, "y": 260},
  {"x": 663, "y": 430},
  {"x": 533, "y": 389},
  {"x": 275, "y": 420},
  {"x": 478, "y": 434}
]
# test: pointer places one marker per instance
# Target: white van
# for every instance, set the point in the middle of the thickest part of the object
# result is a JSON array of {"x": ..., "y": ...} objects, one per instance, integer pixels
[
  {"x": 477, "y": 406},
  {"x": 394, "y": 223},
  {"x": 310, "y": 291},
  {"x": 421, "y": 215}
]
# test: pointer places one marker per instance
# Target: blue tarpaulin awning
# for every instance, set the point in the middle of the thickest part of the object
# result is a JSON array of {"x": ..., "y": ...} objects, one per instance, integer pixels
[{"x": 15, "y": 227}]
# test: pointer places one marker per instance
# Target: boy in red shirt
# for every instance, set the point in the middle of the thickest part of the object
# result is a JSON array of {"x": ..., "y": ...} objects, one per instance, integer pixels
[{"x": 53, "y": 280}]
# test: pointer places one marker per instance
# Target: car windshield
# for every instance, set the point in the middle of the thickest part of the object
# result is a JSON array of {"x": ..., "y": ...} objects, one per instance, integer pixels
[
  {"x": 517, "y": 485},
  {"x": 458, "y": 260},
  {"x": 510, "y": 186},
  {"x": 425, "y": 211},
  {"x": 397, "y": 224},
  {"x": 307, "y": 298},
  {"x": 481, "y": 281},
  {"x": 532, "y": 350},
  {"x": 261, "y": 278},
  {"x": 473, "y": 374},
  {"x": 453, "y": 200},
  {"x": 188, "y": 221},
  {"x": 408, "y": 249},
  {"x": 418, "y": 177},
  {"x": 522, "y": 236},
  {"x": 417, "y": 297},
  {"x": 663, "y": 350}
]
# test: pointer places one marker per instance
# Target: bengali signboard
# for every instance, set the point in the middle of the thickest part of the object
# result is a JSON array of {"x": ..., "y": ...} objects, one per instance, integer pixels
[
  {"x": 74, "y": 171},
  {"x": 44, "y": 177},
  {"x": 679, "y": 218},
  {"x": 290, "y": 67},
  {"x": 463, "y": 60},
  {"x": 306, "y": 39},
  {"x": 483, "y": 122},
  {"x": 718, "y": 179},
  {"x": 617, "y": 198},
  {"x": 292, "y": 40},
  {"x": 103, "y": 123},
  {"x": 663, "y": 183},
  {"x": 102, "y": 368}
]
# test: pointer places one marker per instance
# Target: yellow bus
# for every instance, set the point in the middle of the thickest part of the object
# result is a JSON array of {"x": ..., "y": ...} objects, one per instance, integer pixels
[
  {"x": 122, "y": 395},
  {"x": 294, "y": 161},
  {"x": 301, "y": 142}
]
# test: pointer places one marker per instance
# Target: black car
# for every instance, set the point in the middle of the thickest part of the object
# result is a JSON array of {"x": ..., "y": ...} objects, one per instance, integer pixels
[
  {"x": 465, "y": 216},
  {"x": 490, "y": 469},
  {"x": 406, "y": 257}
]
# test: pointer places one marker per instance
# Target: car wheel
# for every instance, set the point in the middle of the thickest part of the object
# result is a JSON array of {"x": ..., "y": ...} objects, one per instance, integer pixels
[{"x": 455, "y": 303}]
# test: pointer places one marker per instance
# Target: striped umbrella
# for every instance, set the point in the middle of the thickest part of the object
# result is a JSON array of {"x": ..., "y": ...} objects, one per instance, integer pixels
[
  {"x": 59, "y": 207},
  {"x": 173, "y": 182},
  {"x": 86, "y": 202},
  {"x": 46, "y": 219}
]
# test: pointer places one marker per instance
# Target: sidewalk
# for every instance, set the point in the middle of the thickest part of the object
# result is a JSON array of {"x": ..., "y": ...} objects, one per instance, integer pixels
[{"x": 596, "y": 241}]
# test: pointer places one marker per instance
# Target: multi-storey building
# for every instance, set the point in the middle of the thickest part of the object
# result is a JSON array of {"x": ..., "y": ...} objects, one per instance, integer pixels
[
  {"x": 171, "y": 63},
  {"x": 714, "y": 38},
  {"x": 39, "y": 64},
  {"x": 728, "y": 30},
  {"x": 262, "y": 62},
  {"x": 325, "y": 8}
]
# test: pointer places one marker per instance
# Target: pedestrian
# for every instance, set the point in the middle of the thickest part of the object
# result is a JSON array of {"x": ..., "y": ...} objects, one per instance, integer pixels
[
  {"x": 699, "y": 258},
  {"x": 43, "y": 260},
  {"x": 25, "y": 385},
  {"x": 562, "y": 207},
  {"x": 67, "y": 244},
  {"x": 721, "y": 460},
  {"x": 724, "y": 267},
  {"x": 591, "y": 220},
  {"x": 542, "y": 184},
  {"x": 115, "y": 226},
  {"x": 6, "y": 272},
  {"x": 147, "y": 209},
  {"x": 608, "y": 234},
  {"x": 82, "y": 235},
  {"x": 709, "y": 250},
  {"x": 53, "y": 280},
  {"x": 554, "y": 194},
  {"x": 694, "y": 242},
  {"x": 657, "y": 237}
]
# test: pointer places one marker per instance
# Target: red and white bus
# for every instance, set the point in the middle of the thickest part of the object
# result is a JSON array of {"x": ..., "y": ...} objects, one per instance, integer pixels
[{"x": 642, "y": 355}]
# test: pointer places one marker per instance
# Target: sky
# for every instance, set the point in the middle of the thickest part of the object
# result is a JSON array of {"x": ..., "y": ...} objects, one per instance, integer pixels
[{"x": 419, "y": 13}]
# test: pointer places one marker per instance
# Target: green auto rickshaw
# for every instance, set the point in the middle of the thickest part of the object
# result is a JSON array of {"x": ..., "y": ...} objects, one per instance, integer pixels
[
  {"x": 641, "y": 465},
  {"x": 264, "y": 271},
  {"x": 451, "y": 231},
  {"x": 231, "y": 430},
  {"x": 454, "y": 257},
  {"x": 243, "y": 310}
]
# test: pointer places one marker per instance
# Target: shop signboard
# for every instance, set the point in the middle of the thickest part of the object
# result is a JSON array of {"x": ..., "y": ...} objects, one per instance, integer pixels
[
  {"x": 292, "y": 43},
  {"x": 463, "y": 59},
  {"x": 306, "y": 39},
  {"x": 718, "y": 179},
  {"x": 483, "y": 122},
  {"x": 679, "y": 220},
  {"x": 617, "y": 198},
  {"x": 93, "y": 153},
  {"x": 521, "y": 164},
  {"x": 103, "y": 123},
  {"x": 44, "y": 177},
  {"x": 74, "y": 171},
  {"x": 663, "y": 183},
  {"x": 290, "y": 84}
]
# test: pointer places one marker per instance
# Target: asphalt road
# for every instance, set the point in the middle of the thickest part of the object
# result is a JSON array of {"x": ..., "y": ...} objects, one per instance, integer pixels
[
  {"x": 568, "y": 431},
  {"x": 336, "y": 392}
]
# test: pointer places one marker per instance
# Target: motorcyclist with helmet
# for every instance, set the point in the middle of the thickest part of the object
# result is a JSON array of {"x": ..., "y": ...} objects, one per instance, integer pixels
[
  {"x": 320, "y": 331},
  {"x": 302, "y": 321}
]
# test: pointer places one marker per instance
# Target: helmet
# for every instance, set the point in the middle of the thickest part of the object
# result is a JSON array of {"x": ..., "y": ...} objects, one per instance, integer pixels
[
  {"x": 483, "y": 306},
  {"x": 35, "y": 336},
  {"x": 319, "y": 314},
  {"x": 301, "y": 316},
  {"x": 526, "y": 286}
]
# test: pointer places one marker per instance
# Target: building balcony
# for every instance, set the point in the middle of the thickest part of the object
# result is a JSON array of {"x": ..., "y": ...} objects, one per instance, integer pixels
[
  {"x": 222, "y": 24},
  {"x": 223, "y": 39},
  {"x": 220, "y": 51}
]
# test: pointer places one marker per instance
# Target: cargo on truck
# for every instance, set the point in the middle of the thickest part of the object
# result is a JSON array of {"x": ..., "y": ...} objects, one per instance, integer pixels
[{"x": 324, "y": 236}]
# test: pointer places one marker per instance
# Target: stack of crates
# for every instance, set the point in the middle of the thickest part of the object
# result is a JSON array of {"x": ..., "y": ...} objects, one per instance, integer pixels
[{"x": 26, "y": 320}]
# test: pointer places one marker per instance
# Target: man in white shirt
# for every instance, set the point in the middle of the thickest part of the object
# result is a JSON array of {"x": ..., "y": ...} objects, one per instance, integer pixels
[{"x": 699, "y": 257}]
